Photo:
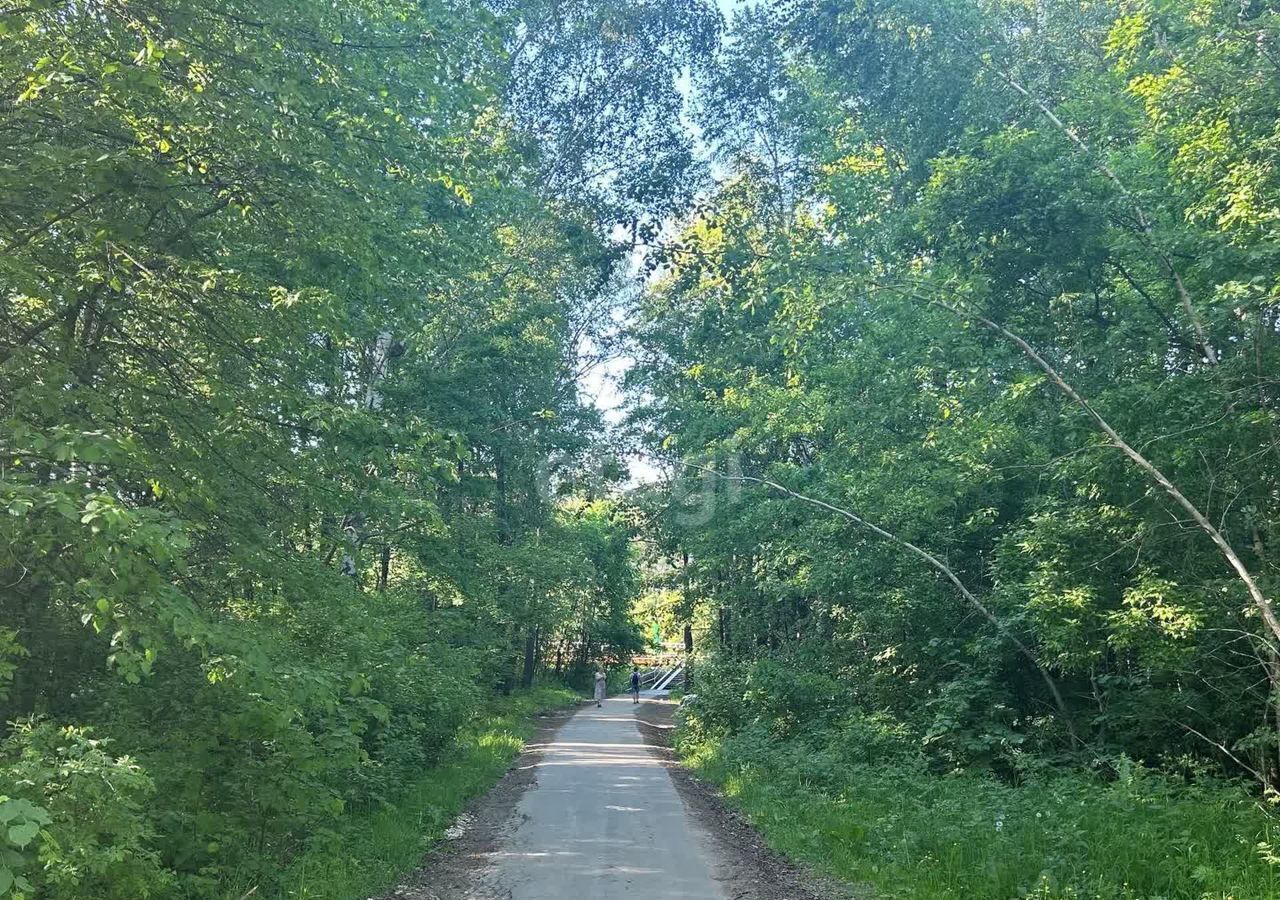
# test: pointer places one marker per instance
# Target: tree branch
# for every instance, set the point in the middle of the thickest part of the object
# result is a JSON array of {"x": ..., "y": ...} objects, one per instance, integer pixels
[
  {"x": 931, "y": 560},
  {"x": 1259, "y": 599},
  {"x": 1144, "y": 221}
]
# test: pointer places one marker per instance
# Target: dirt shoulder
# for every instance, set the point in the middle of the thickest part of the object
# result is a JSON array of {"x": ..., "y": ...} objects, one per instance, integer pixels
[
  {"x": 455, "y": 869},
  {"x": 746, "y": 867}
]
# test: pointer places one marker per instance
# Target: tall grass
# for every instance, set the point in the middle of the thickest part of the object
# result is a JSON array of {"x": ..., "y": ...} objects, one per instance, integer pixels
[
  {"x": 1060, "y": 836},
  {"x": 368, "y": 850}
]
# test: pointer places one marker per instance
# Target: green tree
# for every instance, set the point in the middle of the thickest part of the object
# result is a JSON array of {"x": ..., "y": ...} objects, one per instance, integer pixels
[{"x": 906, "y": 175}]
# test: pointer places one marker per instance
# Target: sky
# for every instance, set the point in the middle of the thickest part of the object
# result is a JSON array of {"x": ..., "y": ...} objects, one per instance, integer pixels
[{"x": 601, "y": 386}]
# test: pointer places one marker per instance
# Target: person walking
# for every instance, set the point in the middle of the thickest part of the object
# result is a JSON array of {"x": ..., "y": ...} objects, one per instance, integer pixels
[
  {"x": 635, "y": 684},
  {"x": 602, "y": 681}
]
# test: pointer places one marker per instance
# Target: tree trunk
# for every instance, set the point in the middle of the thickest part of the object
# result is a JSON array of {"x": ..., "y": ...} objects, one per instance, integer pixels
[
  {"x": 530, "y": 657},
  {"x": 384, "y": 572},
  {"x": 501, "y": 508}
]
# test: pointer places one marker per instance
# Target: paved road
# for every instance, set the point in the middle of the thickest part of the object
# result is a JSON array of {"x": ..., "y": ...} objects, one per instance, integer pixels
[{"x": 603, "y": 821}]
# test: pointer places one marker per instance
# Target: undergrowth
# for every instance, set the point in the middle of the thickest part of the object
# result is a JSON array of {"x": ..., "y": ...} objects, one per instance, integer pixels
[{"x": 908, "y": 832}]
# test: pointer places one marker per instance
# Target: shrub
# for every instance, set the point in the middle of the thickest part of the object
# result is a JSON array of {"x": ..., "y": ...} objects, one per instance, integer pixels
[
  {"x": 20, "y": 824},
  {"x": 82, "y": 810}
]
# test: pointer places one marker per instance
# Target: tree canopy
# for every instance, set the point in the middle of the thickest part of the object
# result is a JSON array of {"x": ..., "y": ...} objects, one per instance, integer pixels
[{"x": 290, "y": 344}]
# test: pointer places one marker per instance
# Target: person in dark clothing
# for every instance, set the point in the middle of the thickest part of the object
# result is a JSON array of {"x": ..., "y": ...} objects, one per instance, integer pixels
[{"x": 635, "y": 685}]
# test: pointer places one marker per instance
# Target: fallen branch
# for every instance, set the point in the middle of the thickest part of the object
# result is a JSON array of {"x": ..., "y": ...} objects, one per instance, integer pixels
[{"x": 1223, "y": 749}]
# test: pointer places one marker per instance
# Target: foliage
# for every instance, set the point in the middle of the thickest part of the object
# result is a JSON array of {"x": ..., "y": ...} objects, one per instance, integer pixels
[
  {"x": 83, "y": 811},
  {"x": 21, "y": 821},
  {"x": 898, "y": 174},
  {"x": 603, "y": 86},
  {"x": 10, "y": 652},
  {"x": 962, "y": 372},
  {"x": 950, "y": 242}
]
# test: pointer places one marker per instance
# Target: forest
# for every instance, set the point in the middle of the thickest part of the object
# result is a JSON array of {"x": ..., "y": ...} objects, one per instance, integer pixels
[{"x": 948, "y": 336}]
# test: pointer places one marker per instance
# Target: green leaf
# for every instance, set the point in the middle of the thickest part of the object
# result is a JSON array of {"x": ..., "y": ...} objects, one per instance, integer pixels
[{"x": 22, "y": 834}]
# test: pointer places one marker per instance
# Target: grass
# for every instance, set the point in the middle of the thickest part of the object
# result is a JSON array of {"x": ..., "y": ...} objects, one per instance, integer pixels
[
  {"x": 1063, "y": 836},
  {"x": 373, "y": 848}
]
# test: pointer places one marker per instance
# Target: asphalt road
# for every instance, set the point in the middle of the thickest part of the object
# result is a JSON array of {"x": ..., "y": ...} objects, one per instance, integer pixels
[{"x": 603, "y": 821}]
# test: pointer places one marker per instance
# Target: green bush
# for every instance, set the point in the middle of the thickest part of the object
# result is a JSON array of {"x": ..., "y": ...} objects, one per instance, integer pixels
[
  {"x": 258, "y": 762},
  {"x": 84, "y": 813},
  {"x": 10, "y": 652},
  {"x": 83, "y": 823},
  {"x": 20, "y": 825},
  {"x": 789, "y": 695}
]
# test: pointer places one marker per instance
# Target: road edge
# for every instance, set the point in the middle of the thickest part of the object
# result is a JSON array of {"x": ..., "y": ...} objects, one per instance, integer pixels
[
  {"x": 746, "y": 866},
  {"x": 454, "y": 868}
]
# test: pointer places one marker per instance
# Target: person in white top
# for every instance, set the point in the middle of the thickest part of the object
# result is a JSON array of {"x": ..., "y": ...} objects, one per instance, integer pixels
[{"x": 601, "y": 680}]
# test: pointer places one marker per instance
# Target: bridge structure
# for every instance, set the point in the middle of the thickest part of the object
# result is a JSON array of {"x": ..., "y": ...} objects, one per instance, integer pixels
[{"x": 657, "y": 680}]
